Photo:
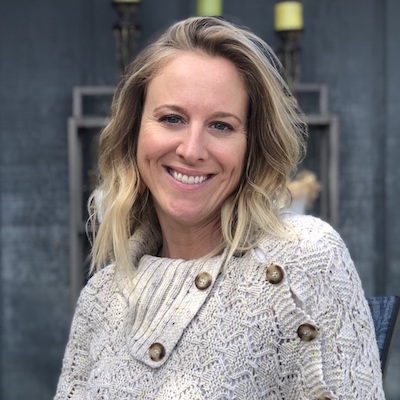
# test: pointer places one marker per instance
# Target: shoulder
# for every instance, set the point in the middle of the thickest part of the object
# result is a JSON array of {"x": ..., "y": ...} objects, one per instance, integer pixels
[
  {"x": 308, "y": 232},
  {"x": 100, "y": 300},
  {"x": 304, "y": 228},
  {"x": 315, "y": 260},
  {"x": 104, "y": 276},
  {"x": 310, "y": 242},
  {"x": 307, "y": 227},
  {"x": 101, "y": 284}
]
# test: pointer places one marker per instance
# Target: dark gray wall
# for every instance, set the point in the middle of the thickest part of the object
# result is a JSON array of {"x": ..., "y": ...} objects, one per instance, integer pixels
[{"x": 49, "y": 46}]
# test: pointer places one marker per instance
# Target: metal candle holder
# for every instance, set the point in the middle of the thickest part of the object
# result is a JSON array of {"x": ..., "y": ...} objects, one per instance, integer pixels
[
  {"x": 126, "y": 31},
  {"x": 289, "y": 55},
  {"x": 289, "y": 27}
]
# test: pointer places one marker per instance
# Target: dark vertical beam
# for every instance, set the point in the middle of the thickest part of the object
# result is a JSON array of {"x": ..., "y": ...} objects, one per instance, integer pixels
[
  {"x": 380, "y": 144},
  {"x": 392, "y": 173}
]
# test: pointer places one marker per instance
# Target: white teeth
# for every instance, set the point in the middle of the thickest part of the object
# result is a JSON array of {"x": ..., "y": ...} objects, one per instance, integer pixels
[{"x": 190, "y": 180}]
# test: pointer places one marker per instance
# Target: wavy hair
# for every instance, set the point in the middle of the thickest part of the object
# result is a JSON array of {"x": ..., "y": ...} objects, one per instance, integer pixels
[{"x": 276, "y": 134}]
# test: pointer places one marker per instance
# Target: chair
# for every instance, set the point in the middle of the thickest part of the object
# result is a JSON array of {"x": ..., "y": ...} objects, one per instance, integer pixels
[{"x": 385, "y": 314}]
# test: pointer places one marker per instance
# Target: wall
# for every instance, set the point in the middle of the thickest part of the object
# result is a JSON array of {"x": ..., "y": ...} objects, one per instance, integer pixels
[{"x": 47, "y": 47}]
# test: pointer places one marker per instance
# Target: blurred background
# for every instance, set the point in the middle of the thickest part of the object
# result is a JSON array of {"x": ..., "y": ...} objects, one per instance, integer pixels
[{"x": 58, "y": 66}]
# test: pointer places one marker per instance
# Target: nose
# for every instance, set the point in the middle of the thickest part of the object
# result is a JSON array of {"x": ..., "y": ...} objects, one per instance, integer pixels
[{"x": 193, "y": 144}]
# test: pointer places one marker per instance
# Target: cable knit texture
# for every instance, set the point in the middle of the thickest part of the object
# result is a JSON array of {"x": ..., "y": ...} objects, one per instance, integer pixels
[{"x": 238, "y": 338}]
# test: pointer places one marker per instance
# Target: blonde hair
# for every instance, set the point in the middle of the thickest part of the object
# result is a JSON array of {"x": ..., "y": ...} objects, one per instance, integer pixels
[{"x": 275, "y": 141}]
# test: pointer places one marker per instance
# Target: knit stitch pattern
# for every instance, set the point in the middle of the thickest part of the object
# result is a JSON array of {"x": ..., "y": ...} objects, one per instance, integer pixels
[{"x": 236, "y": 340}]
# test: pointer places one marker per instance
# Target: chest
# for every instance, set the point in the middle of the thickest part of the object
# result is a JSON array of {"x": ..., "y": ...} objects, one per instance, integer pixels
[{"x": 243, "y": 342}]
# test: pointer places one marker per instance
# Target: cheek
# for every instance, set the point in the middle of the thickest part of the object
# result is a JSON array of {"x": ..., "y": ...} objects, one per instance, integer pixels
[
  {"x": 239, "y": 154},
  {"x": 147, "y": 146},
  {"x": 153, "y": 141},
  {"x": 143, "y": 153},
  {"x": 152, "y": 148},
  {"x": 233, "y": 159}
]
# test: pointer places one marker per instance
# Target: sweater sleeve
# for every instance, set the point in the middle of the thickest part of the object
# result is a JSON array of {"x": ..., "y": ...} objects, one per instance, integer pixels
[
  {"x": 75, "y": 368},
  {"x": 350, "y": 363},
  {"x": 88, "y": 314}
]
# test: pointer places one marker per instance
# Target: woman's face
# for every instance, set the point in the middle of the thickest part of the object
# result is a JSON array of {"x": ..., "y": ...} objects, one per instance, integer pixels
[{"x": 192, "y": 139}]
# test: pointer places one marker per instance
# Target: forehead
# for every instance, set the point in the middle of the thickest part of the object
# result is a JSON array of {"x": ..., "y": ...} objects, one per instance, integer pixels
[
  {"x": 199, "y": 70},
  {"x": 199, "y": 83}
]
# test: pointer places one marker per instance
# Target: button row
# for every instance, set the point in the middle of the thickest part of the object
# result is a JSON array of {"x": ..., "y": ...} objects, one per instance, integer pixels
[
  {"x": 275, "y": 275},
  {"x": 306, "y": 333},
  {"x": 157, "y": 350}
]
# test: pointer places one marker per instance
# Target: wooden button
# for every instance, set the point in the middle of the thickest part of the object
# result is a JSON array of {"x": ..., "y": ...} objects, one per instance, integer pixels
[
  {"x": 307, "y": 332},
  {"x": 203, "y": 281},
  {"x": 156, "y": 351},
  {"x": 275, "y": 274}
]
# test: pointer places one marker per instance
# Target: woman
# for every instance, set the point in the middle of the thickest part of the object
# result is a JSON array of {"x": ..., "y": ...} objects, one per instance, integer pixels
[{"x": 211, "y": 290}]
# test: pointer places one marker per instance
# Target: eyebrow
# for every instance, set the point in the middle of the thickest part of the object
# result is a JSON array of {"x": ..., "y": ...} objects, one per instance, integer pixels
[{"x": 181, "y": 110}]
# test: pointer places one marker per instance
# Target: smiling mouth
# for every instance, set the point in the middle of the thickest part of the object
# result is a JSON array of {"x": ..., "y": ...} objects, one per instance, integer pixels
[{"x": 190, "y": 180}]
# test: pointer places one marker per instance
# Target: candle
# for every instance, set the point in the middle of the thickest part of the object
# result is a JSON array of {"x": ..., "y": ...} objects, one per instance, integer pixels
[
  {"x": 209, "y": 7},
  {"x": 288, "y": 16}
]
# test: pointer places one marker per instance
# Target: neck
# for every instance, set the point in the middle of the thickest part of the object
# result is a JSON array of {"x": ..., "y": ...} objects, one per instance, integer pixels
[{"x": 189, "y": 243}]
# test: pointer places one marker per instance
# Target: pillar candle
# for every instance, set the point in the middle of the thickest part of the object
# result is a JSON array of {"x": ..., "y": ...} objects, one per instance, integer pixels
[
  {"x": 209, "y": 7},
  {"x": 288, "y": 16}
]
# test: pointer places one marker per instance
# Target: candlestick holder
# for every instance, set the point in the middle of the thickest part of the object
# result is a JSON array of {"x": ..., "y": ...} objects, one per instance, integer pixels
[
  {"x": 289, "y": 55},
  {"x": 126, "y": 32},
  {"x": 289, "y": 27}
]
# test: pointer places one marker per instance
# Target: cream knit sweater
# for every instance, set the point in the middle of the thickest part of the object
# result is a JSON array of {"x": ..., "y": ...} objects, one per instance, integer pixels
[{"x": 287, "y": 320}]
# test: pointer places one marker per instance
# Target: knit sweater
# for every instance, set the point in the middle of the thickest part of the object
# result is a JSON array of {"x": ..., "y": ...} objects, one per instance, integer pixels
[{"x": 286, "y": 320}]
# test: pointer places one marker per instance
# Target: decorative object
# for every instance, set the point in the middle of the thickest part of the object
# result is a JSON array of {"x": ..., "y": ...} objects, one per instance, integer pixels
[
  {"x": 209, "y": 7},
  {"x": 304, "y": 190},
  {"x": 289, "y": 27},
  {"x": 126, "y": 31}
]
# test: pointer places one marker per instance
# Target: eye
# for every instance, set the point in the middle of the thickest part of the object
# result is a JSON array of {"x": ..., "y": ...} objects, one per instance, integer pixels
[
  {"x": 222, "y": 126},
  {"x": 171, "y": 119}
]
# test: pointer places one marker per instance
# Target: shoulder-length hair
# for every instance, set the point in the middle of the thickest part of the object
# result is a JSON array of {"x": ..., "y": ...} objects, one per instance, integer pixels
[{"x": 275, "y": 141}]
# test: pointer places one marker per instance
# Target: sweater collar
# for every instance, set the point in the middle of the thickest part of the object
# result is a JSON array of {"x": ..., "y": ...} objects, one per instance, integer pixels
[{"x": 162, "y": 294}]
